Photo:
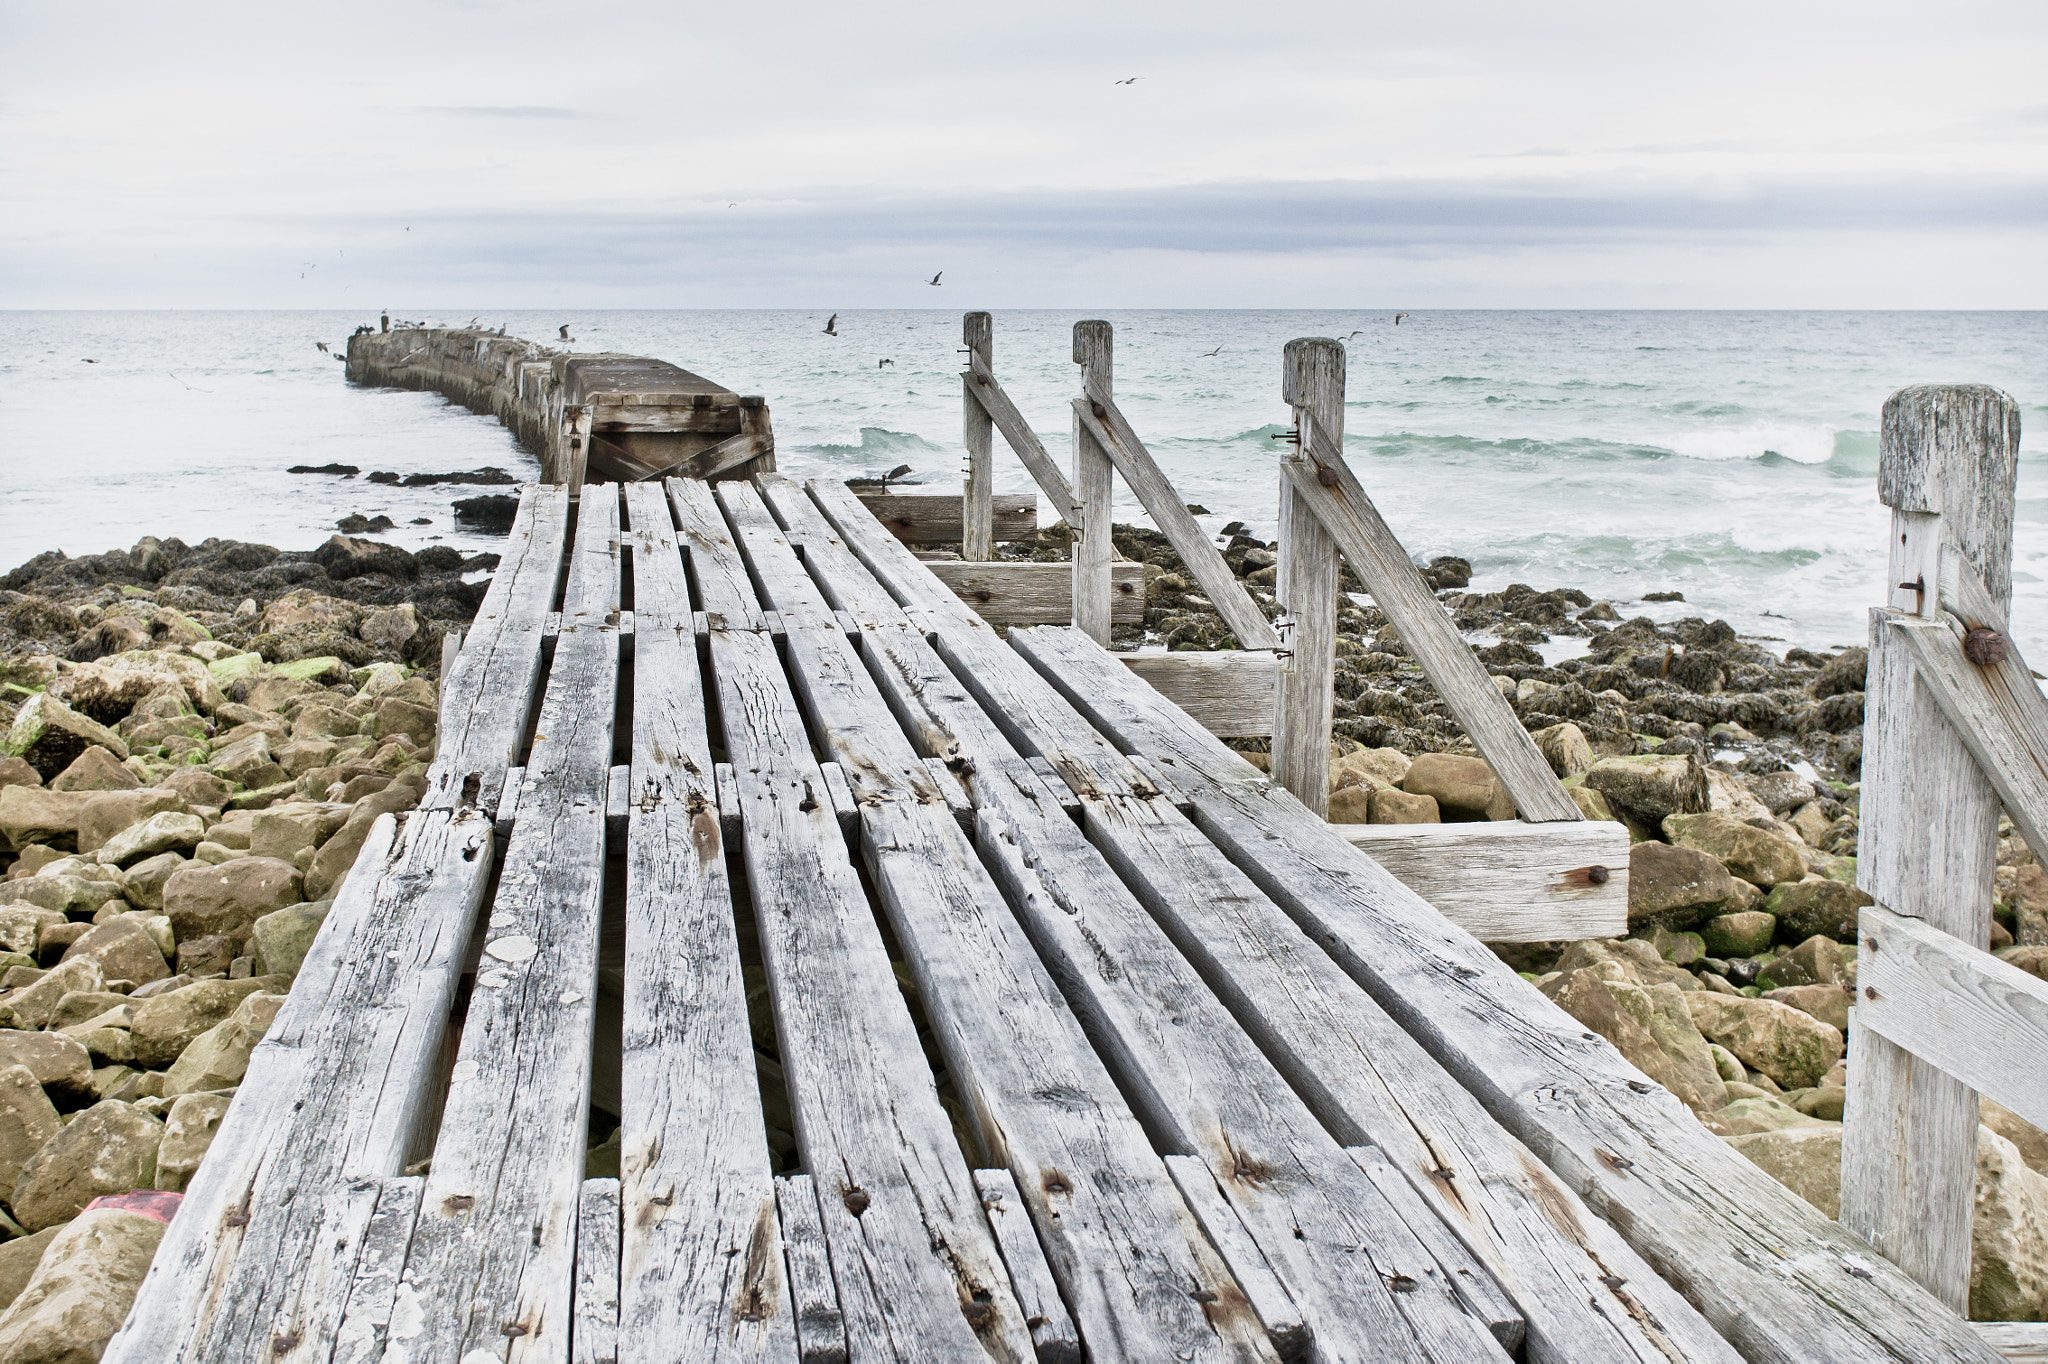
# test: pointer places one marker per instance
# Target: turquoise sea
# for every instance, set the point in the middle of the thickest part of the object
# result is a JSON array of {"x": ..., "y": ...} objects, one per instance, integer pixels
[{"x": 1728, "y": 456}]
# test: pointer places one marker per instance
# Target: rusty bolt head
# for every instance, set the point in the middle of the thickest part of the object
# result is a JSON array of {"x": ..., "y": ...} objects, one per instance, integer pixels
[
  {"x": 1326, "y": 476},
  {"x": 1099, "y": 410},
  {"x": 1598, "y": 875},
  {"x": 1984, "y": 646}
]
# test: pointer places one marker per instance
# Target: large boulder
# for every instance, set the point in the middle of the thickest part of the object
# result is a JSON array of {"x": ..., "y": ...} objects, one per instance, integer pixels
[
  {"x": 60, "y": 1064},
  {"x": 1805, "y": 909},
  {"x": 1742, "y": 934},
  {"x": 1651, "y": 786},
  {"x": 338, "y": 853},
  {"x": 107, "y": 813},
  {"x": 1464, "y": 788},
  {"x": 84, "y": 1283},
  {"x": 165, "y": 1025},
  {"x": 58, "y": 892},
  {"x": 219, "y": 1057},
  {"x": 1761, "y": 857},
  {"x": 113, "y": 687},
  {"x": 344, "y": 558},
  {"x": 279, "y": 942},
  {"x": 1828, "y": 1003},
  {"x": 1674, "y": 887},
  {"x": 1648, "y": 1024},
  {"x": 143, "y": 887},
  {"x": 18, "y": 1261},
  {"x": 49, "y": 736},
  {"x": 2031, "y": 1140},
  {"x": 189, "y": 1129},
  {"x": 95, "y": 770},
  {"x": 417, "y": 722},
  {"x": 1793, "y": 1048},
  {"x": 1817, "y": 961},
  {"x": 108, "y": 1149},
  {"x": 228, "y": 898},
  {"x": 302, "y": 606},
  {"x": 36, "y": 1005},
  {"x": 282, "y": 830},
  {"x": 36, "y": 814},
  {"x": 27, "y": 1120},
  {"x": 1565, "y": 748},
  {"x": 165, "y": 831},
  {"x": 124, "y": 948},
  {"x": 1807, "y": 1159}
]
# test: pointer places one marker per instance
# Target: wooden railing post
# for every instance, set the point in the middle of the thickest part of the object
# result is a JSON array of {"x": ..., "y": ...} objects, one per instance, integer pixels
[
  {"x": 1929, "y": 823},
  {"x": 977, "y": 540},
  {"x": 1092, "y": 548},
  {"x": 1312, "y": 382}
]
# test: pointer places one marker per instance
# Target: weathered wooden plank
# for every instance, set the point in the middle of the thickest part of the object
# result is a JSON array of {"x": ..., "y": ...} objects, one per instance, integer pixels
[
  {"x": 1052, "y": 1330},
  {"x": 1506, "y": 881},
  {"x": 940, "y": 518},
  {"x": 1770, "y": 1273},
  {"x": 1230, "y": 690},
  {"x": 595, "y": 1330},
  {"x": 367, "y": 1315},
  {"x": 701, "y": 1263},
  {"x": 1039, "y": 594},
  {"x": 332, "y": 1097},
  {"x": 1039, "y": 1097},
  {"x": 491, "y": 691},
  {"x": 1431, "y": 639},
  {"x": 820, "y": 1326},
  {"x": 1093, "y": 550},
  {"x": 1964, "y": 596},
  {"x": 1311, "y": 377},
  {"x": 1030, "y": 451},
  {"x": 977, "y": 537},
  {"x": 1928, "y": 842},
  {"x": 1981, "y": 1020},
  {"x": 2016, "y": 1339},
  {"x": 611, "y": 416},
  {"x": 1262, "y": 1288},
  {"x": 493, "y": 1258},
  {"x": 1111, "y": 433},
  {"x": 725, "y": 593},
  {"x": 722, "y": 458}
]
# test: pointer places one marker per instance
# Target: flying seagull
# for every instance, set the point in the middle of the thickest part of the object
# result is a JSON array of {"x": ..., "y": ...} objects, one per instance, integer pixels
[
  {"x": 1207, "y": 353},
  {"x": 565, "y": 333},
  {"x": 1132, "y": 81},
  {"x": 89, "y": 362},
  {"x": 880, "y": 363},
  {"x": 832, "y": 325},
  {"x": 1360, "y": 332},
  {"x": 1398, "y": 317},
  {"x": 323, "y": 347},
  {"x": 934, "y": 280}
]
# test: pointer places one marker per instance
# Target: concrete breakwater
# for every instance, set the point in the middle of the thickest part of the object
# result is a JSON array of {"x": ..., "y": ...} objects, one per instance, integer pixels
[{"x": 623, "y": 417}]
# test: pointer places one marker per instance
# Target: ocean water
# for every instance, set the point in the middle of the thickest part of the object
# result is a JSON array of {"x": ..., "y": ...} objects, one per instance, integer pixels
[{"x": 1728, "y": 456}]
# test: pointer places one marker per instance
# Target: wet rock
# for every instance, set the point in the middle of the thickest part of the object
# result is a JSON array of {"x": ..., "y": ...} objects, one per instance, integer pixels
[
  {"x": 82, "y": 1288},
  {"x": 1759, "y": 856},
  {"x": 189, "y": 1130},
  {"x": 1805, "y": 909},
  {"x": 218, "y": 1057},
  {"x": 345, "y": 558},
  {"x": 229, "y": 898},
  {"x": 165, "y": 831},
  {"x": 1844, "y": 674},
  {"x": 95, "y": 770},
  {"x": 27, "y": 1120},
  {"x": 1675, "y": 887},
  {"x": 108, "y": 1149},
  {"x": 1651, "y": 786},
  {"x": 1461, "y": 786},
  {"x": 166, "y": 1024},
  {"x": 1793, "y": 1048},
  {"x": 1738, "y": 935}
]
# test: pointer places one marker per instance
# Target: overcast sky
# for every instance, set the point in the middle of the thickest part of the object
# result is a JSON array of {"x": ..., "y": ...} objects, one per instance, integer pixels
[{"x": 451, "y": 156}]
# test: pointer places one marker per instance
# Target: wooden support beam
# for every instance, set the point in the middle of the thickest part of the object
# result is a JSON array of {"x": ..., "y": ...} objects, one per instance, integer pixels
[
  {"x": 1979, "y": 1019},
  {"x": 1094, "y": 343},
  {"x": 373, "y": 1293},
  {"x": 2027, "y": 1340},
  {"x": 1038, "y": 594},
  {"x": 1311, "y": 382},
  {"x": 595, "y": 1328},
  {"x": 977, "y": 539},
  {"x": 1107, "y": 430},
  {"x": 820, "y": 1326},
  {"x": 1928, "y": 844},
  {"x": 648, "y": 417},
  {"x": 1427, "y": 632},
  {"x": 701, "y": 1260},
  {"x": 1052, "y": 1330},
  {"x": 497, "y": 671},
  {"x": 720, "y": 459},
  {"x": 1774, "y": 1276},
  {"x": 938, "y": 518},
  {"x": 1230, "y": 691},
  {"x": 1030, "y": 451},
  {"x": 495, "y": 1244},
  {"x": 1506, "y": 881}
]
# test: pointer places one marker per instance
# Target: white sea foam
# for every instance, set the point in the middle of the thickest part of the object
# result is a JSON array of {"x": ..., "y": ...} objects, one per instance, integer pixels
[{"x": 1753, "y": 440}]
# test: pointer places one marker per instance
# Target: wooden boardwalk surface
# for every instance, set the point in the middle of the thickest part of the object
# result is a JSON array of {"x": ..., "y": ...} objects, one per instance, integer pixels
[{"x": 1090, "y": 1041}]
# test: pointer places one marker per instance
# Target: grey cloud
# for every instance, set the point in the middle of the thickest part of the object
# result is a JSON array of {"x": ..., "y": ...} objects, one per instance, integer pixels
[{"x": 499, "y": 111}]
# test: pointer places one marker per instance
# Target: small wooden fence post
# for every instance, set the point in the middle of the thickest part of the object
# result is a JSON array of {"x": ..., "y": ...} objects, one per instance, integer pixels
[
  {"x": 977, "y": 509},
  {"x": 1312, "y": 382},
  {"x": 1093, "y": 551},
  {"x": 1929, "y": 837}
]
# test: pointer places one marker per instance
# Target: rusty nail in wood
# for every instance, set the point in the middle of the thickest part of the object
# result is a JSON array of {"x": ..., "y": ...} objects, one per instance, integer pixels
[
  {"x": 1098, "y": 409},
  {"x": 1984, "y": 646},
  {"x": 1598, "y": 875}
]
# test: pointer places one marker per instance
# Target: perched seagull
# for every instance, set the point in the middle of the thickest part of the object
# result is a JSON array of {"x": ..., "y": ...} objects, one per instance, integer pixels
[
  {"x": 323, "y": 347},
  {"x": 1132, "y": 81},
  {"x": 565, "y": 333},
  {"x": 1398, "y": 317},
  {"x": 879, "y": 364},
  {"x": 1207, "y": 353},
  {"x": 934, "y": 280}
]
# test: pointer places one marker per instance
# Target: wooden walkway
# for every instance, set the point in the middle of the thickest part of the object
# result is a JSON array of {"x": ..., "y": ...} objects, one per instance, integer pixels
[{"x": 1223, "y": 1088}]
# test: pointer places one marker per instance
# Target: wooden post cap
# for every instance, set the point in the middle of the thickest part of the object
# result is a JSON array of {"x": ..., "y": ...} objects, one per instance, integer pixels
[
  {"x": 1306, "y": 355},
  {"x": 1093, "y": 340}
]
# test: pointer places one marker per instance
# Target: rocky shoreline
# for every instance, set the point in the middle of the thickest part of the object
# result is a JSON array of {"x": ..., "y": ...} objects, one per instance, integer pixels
[
  {"x": 194, "y": 744},
  {"x": 197, "y": 740}
]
